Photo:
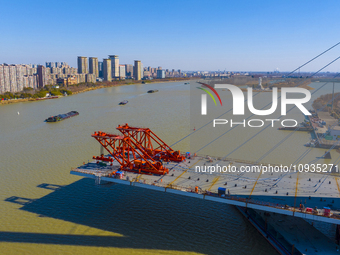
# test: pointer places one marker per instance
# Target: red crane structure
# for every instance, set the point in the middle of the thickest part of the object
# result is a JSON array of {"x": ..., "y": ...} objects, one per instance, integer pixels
[
  {"x": 134, "y": 150},
  {"x": 144, "y": 137}
]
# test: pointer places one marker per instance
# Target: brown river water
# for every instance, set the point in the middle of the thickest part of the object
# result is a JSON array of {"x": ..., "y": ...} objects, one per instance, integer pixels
[{"x": 45, "y": 210}]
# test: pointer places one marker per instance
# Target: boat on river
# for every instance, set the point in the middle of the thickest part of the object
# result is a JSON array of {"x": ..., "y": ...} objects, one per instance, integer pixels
[
  {"x": 61, "y": 117},
  {"x": 152, "y": 90},
  {"x": 123, "y": 102}
]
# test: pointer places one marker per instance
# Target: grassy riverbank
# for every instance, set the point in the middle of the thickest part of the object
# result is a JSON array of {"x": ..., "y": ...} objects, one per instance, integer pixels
[{"x": 84, "y": 87}]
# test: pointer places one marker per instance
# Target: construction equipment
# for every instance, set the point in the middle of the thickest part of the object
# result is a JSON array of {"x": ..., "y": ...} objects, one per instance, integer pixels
[
  {"x": 134, "y": 150},
  {"x": 144, "y": 137}
]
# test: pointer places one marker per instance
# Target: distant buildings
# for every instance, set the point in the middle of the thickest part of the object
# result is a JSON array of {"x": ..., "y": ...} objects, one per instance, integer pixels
[
  {"x": 114, "y": 66},
  {"x": 50, "y": 64},
  {"x": 100, "y": 69},
  {"x": 160, "y": 74},
  {"x": 71, "y": 80},
  {"x": 14, "y": 78},
  {"x": 107, "y": 70},
  {"x": 90, "y": 78},
  {"x": 82, "y": 65},
  {"x": 141, "y": 70},
  {"x": 122, "y": 72},
  {"x": 42, "y": 74},
  {"x": 56, "y": 64},
  {"x": 94, "y": 67},
  {"x": 129, "y": 71},
  {"x": 137, "y": 70}
]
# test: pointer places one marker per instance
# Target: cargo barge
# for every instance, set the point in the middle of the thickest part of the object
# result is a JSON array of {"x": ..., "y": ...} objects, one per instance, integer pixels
[
  {"x": 152, "y": 90},
  {"x": 123, "y": 102},
  {"x": 61, "y": 117}
]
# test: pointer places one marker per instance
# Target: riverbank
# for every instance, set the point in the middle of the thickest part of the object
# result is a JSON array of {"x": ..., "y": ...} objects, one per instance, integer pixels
[
  {"x": 279, "y": 89},
  {"x": 80, "y": 88}
]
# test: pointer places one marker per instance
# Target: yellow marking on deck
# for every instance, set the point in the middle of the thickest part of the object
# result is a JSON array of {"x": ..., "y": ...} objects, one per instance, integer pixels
[
  {"x": 214, "y": 182},
  {"x": 337, "y": 184},
  {"x": 138, "y": 178},
  {"x": 296, "y": 190},
  {"x": 252, "y": 190},
  {"x": 181, "y": 174}
]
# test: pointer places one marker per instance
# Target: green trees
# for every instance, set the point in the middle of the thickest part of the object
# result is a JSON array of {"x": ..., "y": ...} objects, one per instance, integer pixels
[
  {"x": 67, "y": 91},
  {"x": 56, "y": 92},
  {"x": 41, "y": 93}
]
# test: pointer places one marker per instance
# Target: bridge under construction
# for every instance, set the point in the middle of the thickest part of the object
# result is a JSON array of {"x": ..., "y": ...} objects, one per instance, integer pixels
[
  {"x": 297, "y": 211},
  {"x": 138, "y": 157}
]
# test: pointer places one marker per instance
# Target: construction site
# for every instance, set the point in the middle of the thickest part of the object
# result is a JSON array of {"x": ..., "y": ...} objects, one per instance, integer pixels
[{"x": 138, "y": 157}]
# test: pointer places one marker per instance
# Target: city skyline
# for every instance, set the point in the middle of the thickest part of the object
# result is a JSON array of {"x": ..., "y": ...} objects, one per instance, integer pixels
[{"x": 190, "y": 35}]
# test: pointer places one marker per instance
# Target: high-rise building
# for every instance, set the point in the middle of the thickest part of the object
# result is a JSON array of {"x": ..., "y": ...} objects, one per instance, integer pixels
[
  {"x": 19, "y": 77},
  {"x": 129, "y": 71},
  {"x": 50, "y": 64},
  {"x": 13, "y": 78},
  {"x": 42, "y": 76},
  {"x": 160, "y": 74},
  {"x": 82, "y": 65},
  {"x": 100, "y": 69},
  {"x": 114, "y": 66},
  {"x": 141, "y": 71},
  {"x": 137, "y": 70},
  {"x": 7, "y": 85},
  {"x": 107, "y": 70},
  {"x": 2, "y": 80},
  {"x": 122, "y": 73},
  {"x": 93, "y": 66}
]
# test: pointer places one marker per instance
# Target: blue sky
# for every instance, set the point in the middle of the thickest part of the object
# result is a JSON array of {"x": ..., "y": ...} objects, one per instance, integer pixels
[{"x": 188, "y": 35}]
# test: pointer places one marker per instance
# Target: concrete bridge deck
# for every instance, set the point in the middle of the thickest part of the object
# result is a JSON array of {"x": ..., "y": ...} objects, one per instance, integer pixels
[{"x": 268, "y": 191}]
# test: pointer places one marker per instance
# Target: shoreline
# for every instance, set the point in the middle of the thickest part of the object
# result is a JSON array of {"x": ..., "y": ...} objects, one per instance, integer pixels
[
  {"x": 279, "y": 89},
  {"x": 21, "y": 100}
]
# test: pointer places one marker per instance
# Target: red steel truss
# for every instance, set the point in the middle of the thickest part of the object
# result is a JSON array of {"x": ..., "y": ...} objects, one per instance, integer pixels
[
  {"x": 129, "y": 154},
  {"x": 144, "y": 138},
  {"x": 135, "y": 152}
]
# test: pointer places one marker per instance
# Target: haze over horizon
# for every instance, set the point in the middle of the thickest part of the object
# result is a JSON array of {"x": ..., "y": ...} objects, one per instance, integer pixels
[{"x": 186, "y": 35}]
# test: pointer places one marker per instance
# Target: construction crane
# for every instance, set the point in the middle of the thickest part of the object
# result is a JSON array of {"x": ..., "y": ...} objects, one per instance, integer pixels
[
  {"x": 144, "y": 137},
  {"x": 134, "y": 150}
]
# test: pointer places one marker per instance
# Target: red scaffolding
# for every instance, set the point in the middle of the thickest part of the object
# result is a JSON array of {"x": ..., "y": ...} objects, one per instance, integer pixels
[{"x": 135, "y": 152}]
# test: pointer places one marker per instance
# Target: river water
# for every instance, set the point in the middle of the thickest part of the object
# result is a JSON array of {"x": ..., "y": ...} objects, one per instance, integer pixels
[{"x": 45, "y": 210}]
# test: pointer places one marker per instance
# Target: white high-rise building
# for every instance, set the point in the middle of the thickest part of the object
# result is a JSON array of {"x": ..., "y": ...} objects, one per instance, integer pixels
[
  {"x": 141, "y": 71},
  {"x": 114, "y": 66},
  {"x": 7, "y": 84},
  {"x": 122, "y": 72},
  {"x": 2, "y": 80},
  {"x": 19, "y": 77},
  {"x": 13, "y": 78},
  {"x": 107, "y": 70}
]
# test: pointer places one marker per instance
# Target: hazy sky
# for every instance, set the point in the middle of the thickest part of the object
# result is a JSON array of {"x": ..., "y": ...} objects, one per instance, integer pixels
[{"x": 188, "y": 35}]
